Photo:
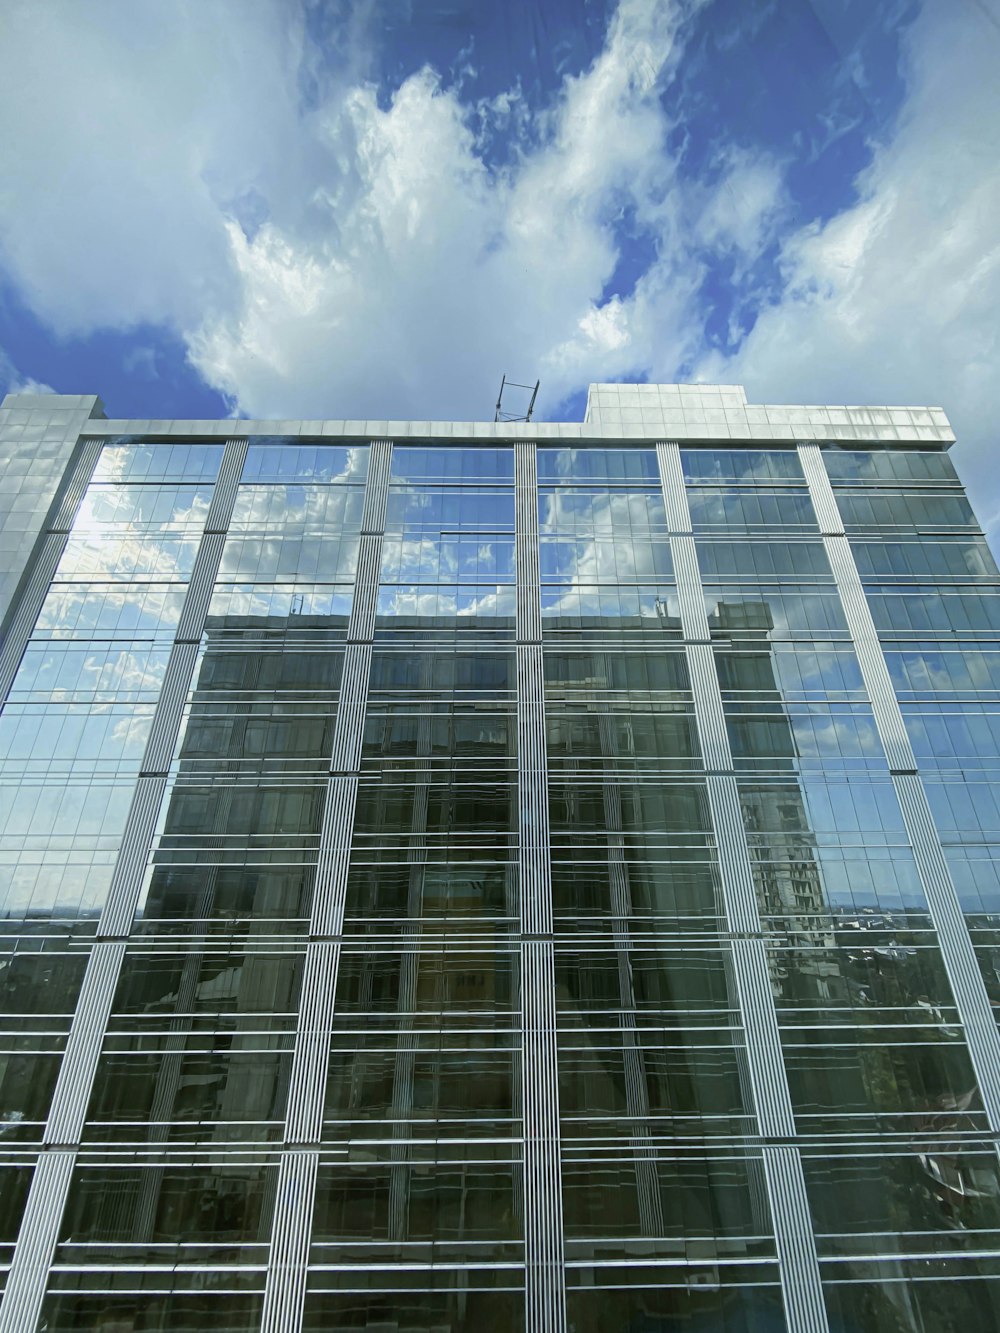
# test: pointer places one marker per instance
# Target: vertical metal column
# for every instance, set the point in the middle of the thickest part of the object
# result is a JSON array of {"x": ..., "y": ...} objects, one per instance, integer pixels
[
  {"x": 968, "y": 988},
  {"x": 285, "y": 1284},
  {"x": 805, "y": 1309},
  {"x": 47, "y": 1196},
  {"x": 47, "y": 557},
  {"x": 544, "y": 1245}
]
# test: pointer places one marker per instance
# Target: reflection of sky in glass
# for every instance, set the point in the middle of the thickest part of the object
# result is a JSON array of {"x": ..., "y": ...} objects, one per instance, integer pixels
[
  {"x": 742, "y": 465},
  {"x": 447, "y": 560},
  {"x": 292, "y": 505},
  {"x": 782, "y": 612},
  {"x": 931, "y": 671},
  {"x": 847, "y": 465},
  {"x": 578, "y": 510},
  {"x": 763, "y": 559},
  {"x": 289, "y": 558},
  {"x": 798, "y": 673},
  {"x": 452, "y": 508},
  {"x": 454, "y": 464},
  {"x": 281, "y": 601},
  {"x": 94, "y": 673},
  {"x": 127, "y": 461},
  {"x": 961, "y": 559},
  {"x": 952, "y": 735},
  {"x": 114, "y": 611},
  {"x": 101, "y": 738},
  {"x": 613, "y": 467},
  {"x": 714, "y": 507},
  {"x": 462, "y": 602},
  {"x": 904, "y": 509},
  {"x": 283, "y": 461},
  {"x": 926, "y": 610}
]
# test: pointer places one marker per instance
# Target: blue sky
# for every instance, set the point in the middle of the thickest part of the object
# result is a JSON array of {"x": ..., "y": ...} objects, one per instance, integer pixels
[{"x": 315, "y": 208}]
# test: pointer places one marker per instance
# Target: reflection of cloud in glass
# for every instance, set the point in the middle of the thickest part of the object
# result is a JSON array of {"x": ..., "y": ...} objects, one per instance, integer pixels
[
  {"x": 285, "y": 601},
  {"x": 35, "y": 737},
  {"x": 158, "y": 462},
  {"x": 59, "y": 672},
  {"x": 95, "y": 610},
  {"x": 446, "y": 601},
  {"x": 449, "y": 560},
  {"x": 292, "y": 505},
  {"x": 281, "y": 460}
]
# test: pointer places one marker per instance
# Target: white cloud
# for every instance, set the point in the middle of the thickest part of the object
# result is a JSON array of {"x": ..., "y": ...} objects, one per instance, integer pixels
[
  {"x": 896, "y": 298},
  {"x": 12, "y": 381},
  {"x": 358, "y": 258},
  {"x": 130, "y": 130}
]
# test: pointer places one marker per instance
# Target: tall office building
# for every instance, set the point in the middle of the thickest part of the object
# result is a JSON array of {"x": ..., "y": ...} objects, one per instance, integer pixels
[{"x": 489, "y": 877}]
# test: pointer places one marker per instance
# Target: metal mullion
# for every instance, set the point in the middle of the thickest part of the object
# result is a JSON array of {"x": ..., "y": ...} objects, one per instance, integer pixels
[
  {"x": 969, "y": 990},
  {"x": 544, "y": 1244},
  {"x": 72, "y": 1091},
  {"x": 62, "y": 515},
  {"x": 801, "y": 1286},
  {"x": 36, "y": 1243},
  {"x": 285, "y": 1283}
]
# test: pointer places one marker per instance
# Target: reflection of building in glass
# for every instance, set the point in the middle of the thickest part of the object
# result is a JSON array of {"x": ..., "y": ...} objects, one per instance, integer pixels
[{"x": 457, "y": 882}]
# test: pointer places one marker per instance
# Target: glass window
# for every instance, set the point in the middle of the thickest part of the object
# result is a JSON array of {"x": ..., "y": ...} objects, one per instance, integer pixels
[
  {"x": 612, "y": 467},
  {"x": 133, "y": 461},
  {"x": 742, "y": 465},
  {"x": 880, "y": 465}
]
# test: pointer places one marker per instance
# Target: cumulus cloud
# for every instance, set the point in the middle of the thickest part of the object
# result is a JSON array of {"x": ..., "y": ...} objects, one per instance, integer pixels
[
  {"x": 324, "y": 246},
  {"x": 131, "y": 132},
  {"x": 895, "y": 298},
  {"x": 352, "y": 251},
  {"x": 12, "y": 381}
]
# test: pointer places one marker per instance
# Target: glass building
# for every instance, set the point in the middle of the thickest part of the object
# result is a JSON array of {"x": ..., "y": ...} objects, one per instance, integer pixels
[{"x": 498, "y": 877}]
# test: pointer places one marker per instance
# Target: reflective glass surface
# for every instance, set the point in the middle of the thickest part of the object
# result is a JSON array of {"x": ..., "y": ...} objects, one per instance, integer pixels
[{"x": 419, "y": 1220}]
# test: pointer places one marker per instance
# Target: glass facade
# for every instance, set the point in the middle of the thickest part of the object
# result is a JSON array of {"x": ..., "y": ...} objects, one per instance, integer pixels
[{"x": 470, "y": 884}]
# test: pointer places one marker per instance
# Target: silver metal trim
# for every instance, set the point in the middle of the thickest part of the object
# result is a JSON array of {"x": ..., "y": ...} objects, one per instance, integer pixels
[
  {"x": 83, "y": 1045},
  {"x": 311, "y": 1059},
  {"x": 288, "y": 1259},
  {"x": 130, "y": 866},
  {"x": 528, "y": 608},
  {"x": 330, "y": 892},
  {"x": 544, "y": 1246},
  {"x": 28, "y": 608},
  {"x": 21, "y": 1304},
  {"x": 166, "y": 725},
  {"x": 738, "y": 891},
  {"x": 968, "y": 987},
  {"x": 361, "y": 625},
  {"x": 710, "y": 716},
  {"x": 820, "y": 491},
  {"x": 690, "y": 594},
  {"x": 874, "y": 672},
  {"x": 349, "y": 724},
  {"x": 765, "y": 1067},
  {"x": 376, "y": 486},
  {"x": 227, "y": 480},
  {"x": 533, "y": 799},
  {"x": 801, "y": 1285},
  {"x": 191, "y": 624},
  {"x": 668, "y": 456},
  {"x": 284, "y": 1293},
  {"x": 80, "y": 478}
]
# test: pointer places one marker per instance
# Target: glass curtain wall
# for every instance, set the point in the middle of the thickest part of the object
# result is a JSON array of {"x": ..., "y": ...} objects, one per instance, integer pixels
[{"x": 418, "y": 1224}]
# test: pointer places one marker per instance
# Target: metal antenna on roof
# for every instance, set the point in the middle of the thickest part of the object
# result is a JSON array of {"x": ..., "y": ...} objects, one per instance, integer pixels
[{"x": 502, "y": 414}]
